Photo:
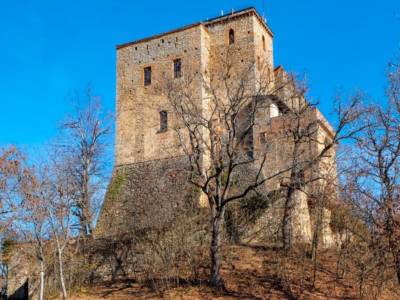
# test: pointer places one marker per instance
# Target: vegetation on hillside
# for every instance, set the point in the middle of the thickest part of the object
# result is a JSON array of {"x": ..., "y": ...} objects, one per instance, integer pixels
[{"x": 48, "y": 208}]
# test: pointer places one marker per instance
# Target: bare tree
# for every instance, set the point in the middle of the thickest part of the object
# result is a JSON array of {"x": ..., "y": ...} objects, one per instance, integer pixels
[
  {"x": 10, "y": 178},
  {"x": 311, "y": 157},
  {"x": 10, "y": 167},
  {"x": 376, "y": 177},
  {"x": 59, "y": 208},
  {"x": 85, "y": 134},
  {"x": 22, "y": 205},
  {"x": 31, "y": 219},
  {"x": 216, "y": 135},
  {"x": 6, "y": 253},
  {"x": 43, "y": 209}
]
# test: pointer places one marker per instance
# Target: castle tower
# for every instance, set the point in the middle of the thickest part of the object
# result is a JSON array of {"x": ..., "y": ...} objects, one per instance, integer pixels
[
  {"x": 142, "y": 64},
  {"x": 145, "y": 146},
  {"x": 147, "y": 181}
]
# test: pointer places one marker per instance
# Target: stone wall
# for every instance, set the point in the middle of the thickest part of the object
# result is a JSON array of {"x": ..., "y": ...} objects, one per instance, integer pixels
[
  {"x": 138, "y": 137},
  {"x": 145, "y": 195},
  {"x": 23, "y": 268}
]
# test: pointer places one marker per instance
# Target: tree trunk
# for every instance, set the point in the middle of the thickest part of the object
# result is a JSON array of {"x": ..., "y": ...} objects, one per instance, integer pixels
[
  {"x": 315, "y": 242},
  {"x": 397, "y": 266},
  {"x": 88, "y": 220},
  {"x": 86, "y": 202},
  {"x": 41, "y": 293},
  {"x": 215, "y": 249},
  {"x": 61, "y": 268},
  {"x": 393, "y": 241},
  {"x": 287, "y": 220},
  {"x": 5, "y": 277}
]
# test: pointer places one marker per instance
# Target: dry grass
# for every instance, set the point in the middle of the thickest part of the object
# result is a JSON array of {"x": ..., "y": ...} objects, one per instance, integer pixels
[{"x": 249, "y": 273}]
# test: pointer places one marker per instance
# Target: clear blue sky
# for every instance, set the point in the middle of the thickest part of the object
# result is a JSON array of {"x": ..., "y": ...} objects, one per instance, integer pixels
[{"x": 49, "y": 48}]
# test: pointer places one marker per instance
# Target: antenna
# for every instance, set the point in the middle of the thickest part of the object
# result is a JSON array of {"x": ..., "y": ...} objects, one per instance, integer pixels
[{"x": 263, "y": 11}]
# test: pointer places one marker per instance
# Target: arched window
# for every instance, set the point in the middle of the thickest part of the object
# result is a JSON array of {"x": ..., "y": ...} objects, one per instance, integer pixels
[
  {"x": 263, "y": 42},
  {"x": 231, "y": 37},
  {"x": 163, "y": 121},
  {"x": 274, "y": 110}
]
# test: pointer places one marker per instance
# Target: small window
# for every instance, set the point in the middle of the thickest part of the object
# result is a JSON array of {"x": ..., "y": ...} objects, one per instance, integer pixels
[
  {"x": 249, "y": 144},
  {"x": 177, "y": 68},
  {"x": 263, "y": 43},
  {"x": 163, "y": 121},
  {"x": 301, "y": 177},
  {"x": 147, "y": 76},
  {"x": 231, "y": 37},
  {"x": 263, "y": 138}
]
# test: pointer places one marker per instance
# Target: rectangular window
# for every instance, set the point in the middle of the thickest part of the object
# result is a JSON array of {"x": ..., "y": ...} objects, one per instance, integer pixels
[
  {"x": 177, "y": 68},
  {"x": 163, "y": 121},
  {"x": 249, "y": 144},
  {"x": 147, "y": 76},
  {"x": 263, "y": 138},
  {"x": 231, "y": 37}
]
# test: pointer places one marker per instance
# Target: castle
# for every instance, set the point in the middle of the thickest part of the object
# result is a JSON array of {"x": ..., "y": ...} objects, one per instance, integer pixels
[{"x": 147, "y": 182}]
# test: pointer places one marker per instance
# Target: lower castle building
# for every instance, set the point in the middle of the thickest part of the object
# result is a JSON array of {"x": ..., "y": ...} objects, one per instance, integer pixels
[{"x": 149, "y": 179}]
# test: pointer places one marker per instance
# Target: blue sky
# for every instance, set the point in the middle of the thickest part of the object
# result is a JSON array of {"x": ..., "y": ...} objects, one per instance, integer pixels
[{"x": 50, "y": 48}]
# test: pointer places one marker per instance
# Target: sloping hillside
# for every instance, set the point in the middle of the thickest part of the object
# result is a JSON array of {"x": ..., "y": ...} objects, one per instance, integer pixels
[{"x": 252, "y": 273}]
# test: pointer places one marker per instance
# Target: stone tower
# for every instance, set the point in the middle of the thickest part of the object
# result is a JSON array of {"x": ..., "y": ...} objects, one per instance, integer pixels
[{"x": 146, "y": 175}]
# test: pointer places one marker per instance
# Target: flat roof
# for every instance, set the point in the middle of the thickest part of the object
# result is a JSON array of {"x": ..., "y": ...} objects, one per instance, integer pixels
[{"x": 212, "y": 21}]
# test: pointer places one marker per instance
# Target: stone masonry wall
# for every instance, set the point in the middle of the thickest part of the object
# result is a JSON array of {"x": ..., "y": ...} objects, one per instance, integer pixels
[
  {"x": 137, "y": 136},
  {"x": 144, "y": 195}
]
